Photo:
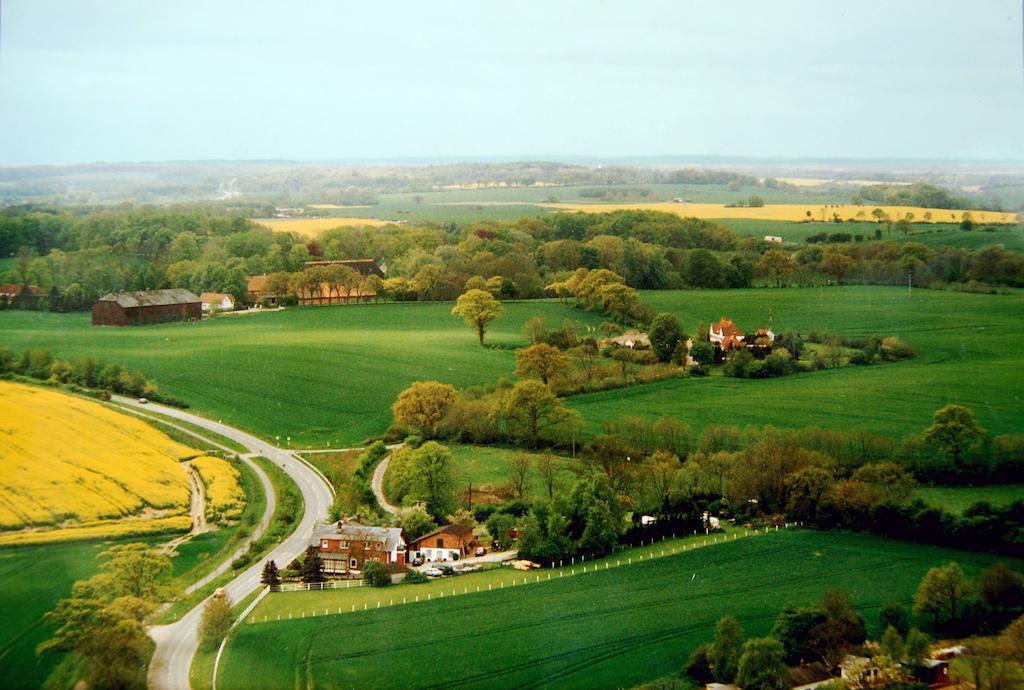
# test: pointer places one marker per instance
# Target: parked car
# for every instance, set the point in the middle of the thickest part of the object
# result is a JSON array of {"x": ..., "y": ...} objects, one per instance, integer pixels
[
  {"x": 432, "y": 572},
  {"x": 143, "y": 401},
  {"x": 480, "y": 551},
  {"x": 417, "y": 559}
]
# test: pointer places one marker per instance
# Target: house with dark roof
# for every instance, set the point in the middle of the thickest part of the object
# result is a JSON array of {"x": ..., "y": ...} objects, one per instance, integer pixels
[
  {"x": 448, "y": 543},
  {"x": 346, "y": 546},
  {"x": 364, "y": 267},
  {"x": 146, "y": 307}
]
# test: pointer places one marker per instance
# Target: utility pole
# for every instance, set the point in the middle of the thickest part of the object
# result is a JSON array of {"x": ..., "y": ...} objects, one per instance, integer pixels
[{"x": 471, "y": 496}]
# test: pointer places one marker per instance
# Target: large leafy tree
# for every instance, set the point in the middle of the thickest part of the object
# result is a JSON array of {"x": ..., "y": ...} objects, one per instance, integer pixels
[
  {"x": 533, "y": 407},
  {"x": 954, "y": 429},
  {"x": 763, "y": 665},
  {"x": 215, "y": 623},
  {"x": 423, "y": 405},
  {"x": 433, "y": 480},
  {"x": 665, "y": 333},
  {"x": 541, "y": 359},
  {"x": 942, "y": 594},
  {"x": 726, "y": 649},
  {"x": 478, "y": 308}
]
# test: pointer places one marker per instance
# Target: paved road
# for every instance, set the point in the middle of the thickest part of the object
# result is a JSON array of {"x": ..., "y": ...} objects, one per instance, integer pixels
[
  {"x": 377, "y": 483},
  {"x": 176, "y": 644}
]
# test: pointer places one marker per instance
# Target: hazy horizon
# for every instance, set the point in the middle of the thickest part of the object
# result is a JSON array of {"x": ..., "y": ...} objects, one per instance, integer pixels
[{"x": 117, "y": 81}]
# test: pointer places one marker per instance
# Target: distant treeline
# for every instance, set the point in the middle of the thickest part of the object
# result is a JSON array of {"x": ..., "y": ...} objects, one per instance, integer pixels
[
  {"x": 917, "y": 194},
  {"x": 76, "y": 257}
]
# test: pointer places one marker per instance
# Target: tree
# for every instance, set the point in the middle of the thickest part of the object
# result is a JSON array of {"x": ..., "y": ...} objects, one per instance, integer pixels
[
  {"x": 777, "y": 264},
  {"x": 477, "y": 308},
  {"x": 533, "y": 406},
  {"x": 423, "y": 405},
  {"x": 703, "y": 353},
  {"x": 698, "y": 665},
  {"x": 546, "y": 361},
  {"x": 726, "y": 649},
  {"x": 806, "y": 489},
  {"x": 548, "y": 473},
  {"x": 499, "y": 526},
  {"x": 892, "y": 644},
  {"x": 312, "y": 567},
  {"x": 215, "y": 622},
  {"x": 954, "y": 429},
  {"x": 270, "y": 575},
  {"x": 890, "y": 481},
  {"x": 763, "y": 665},
  {"x": 376, "y": 574},
  {"x": 518, "y": 475},
  {"x": 842, "y": 628},
  {"x": 433, "y": 479},
  {"x": 665, "y": 333},
  {"x": 534, "y": 329},
  {"x": 1002, "y": 592},
  {"x": 894, "y": 615},
  {"x": 137, "y": 570},
  {"x": 416, "y": 522},
  {"x": 941, "y": 594}
]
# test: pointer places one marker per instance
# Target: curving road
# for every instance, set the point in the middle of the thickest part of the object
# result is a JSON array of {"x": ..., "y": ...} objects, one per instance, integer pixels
[
  {"x": 377, "y": 483},
  {"x": 176, "y": 643}
]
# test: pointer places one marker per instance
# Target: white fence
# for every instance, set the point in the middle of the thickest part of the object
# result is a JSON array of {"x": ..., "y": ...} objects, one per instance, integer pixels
[{"x": 315, "y": 586}]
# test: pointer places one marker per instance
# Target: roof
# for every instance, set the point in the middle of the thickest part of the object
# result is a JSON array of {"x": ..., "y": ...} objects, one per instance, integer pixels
[
  {"x": 257, "y": 284},
  {"x": 636, "y": 337},
  {"x": 364, "y": 266},
  {"x": 151, "y": 298},
  {"x": 458, "y": 530},
  {"x": 356, "y": 531},
  {"x": 216, "y": 297},
  {"x": 805, "y": 674},
  {"x": 854, "y": 663},
  {"x": 725, "y": 327},
  {"x": 15, "y": 289}
]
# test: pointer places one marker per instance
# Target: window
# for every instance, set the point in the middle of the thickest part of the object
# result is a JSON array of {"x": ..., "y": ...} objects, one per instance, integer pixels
[
  {"x": 324, "y": 543},
  {"x": 353, "y": 563},
  {"x": 344, "y": 544},
  {"x": 440, "y": 542}
]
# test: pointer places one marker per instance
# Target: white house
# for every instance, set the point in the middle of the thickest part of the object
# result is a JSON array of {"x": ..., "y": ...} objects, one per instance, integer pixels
[
  {"x": 217, "y": 301},
  {"x": 773, "y": 238}
]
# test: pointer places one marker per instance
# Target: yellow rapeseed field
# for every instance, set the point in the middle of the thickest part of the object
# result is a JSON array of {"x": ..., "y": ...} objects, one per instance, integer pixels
[
  {"x": 103, "y": 529},
  {"x": 224, "y": 496},
  {"x": 68, "y": 462},
  {"x": 798, "y": 212},
  {"x": 311, "y": 226}
]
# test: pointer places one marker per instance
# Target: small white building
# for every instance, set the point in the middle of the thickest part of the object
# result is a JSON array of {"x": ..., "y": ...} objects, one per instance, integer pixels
[
  {"x": 217, "y": 301},
  {"x": 773, "y": 238}
]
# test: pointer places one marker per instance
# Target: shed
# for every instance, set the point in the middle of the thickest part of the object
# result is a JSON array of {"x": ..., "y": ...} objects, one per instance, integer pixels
[{"x": 146, "y": 307}]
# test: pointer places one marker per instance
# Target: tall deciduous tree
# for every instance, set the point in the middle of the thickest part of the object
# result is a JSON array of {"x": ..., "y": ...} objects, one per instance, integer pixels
[
  {"x": 215, "y": 622},
  {"x": 954, "y": 429},
  {"x": 763, "y": 665},
  {"x": 477, "y": 308},
  {"x": 519, "y": 475},
  {"x": 543, "y": 360},
  {"x": 433, "y": 479},
  {"x": 942, "y": 593},
  {"x": 665, "y": 333},
  {"x": 533, "y": 406},
  {"x": 726, "y": 649},
  {"x": 423, "y": 405}
]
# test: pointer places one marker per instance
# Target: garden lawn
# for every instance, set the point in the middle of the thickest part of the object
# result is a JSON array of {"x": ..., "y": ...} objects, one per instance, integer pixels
[
  {"x": 606, "y": 629},
  {"x": 970, "y": 351},
  {"x": 324, "y": 376},
  {"x": 957, "y": 499}
]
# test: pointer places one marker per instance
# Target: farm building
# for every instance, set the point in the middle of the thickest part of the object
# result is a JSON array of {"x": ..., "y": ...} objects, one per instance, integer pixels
[
  {"x": 449, "y": 543},
  {"x": 14, "y": 293},
  {"x": 146, "y": 307},
  {"x": 217, "y": 301},
  {"x": 259, "y": 293},
  {"x": 346, "y": 546},
  {"x": 726, "y": 336},
  {"x": 634, "y": 340},
  {"x": 364, "y": 267},
  {"x": 773, "y": 238}
]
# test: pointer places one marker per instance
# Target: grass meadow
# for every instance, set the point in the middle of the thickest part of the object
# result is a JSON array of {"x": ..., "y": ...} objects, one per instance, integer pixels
[
  {"x": 957, "y": 499},
  {"x": 606, "y": 629},
  {"x": 969, "y": 352},
  {"x": 325, "y": 376},
  {"x": 487, "y": 468}
]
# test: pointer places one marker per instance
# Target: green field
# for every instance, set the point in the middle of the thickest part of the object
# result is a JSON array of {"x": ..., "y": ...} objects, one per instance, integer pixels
[
  {"x": 489, "y": 466},
  {"x": 608, "y": 629},
  {"x": 325, "y": 376},
  {"x": 32, "y": 579},
  {"x": 970, "y": 351},
  {"x": 931, "y": 234},
  {"x": 957, "y": 499}
]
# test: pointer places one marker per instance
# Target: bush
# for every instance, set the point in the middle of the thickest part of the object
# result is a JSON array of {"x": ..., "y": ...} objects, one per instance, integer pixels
[
  {"x": 376, "y": 574},
  {"x": 415, "y": 577}
]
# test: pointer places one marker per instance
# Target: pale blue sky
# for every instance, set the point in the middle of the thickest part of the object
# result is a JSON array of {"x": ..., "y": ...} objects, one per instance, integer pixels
[{"x": 109, "y": 80}]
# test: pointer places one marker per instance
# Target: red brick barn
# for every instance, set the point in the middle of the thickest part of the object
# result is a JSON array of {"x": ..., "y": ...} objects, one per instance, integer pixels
[{"x": 146, "y": 307}]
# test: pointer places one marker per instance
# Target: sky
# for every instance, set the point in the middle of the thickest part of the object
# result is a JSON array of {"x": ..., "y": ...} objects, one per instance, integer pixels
[{"x": 110, "y": 80}]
